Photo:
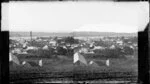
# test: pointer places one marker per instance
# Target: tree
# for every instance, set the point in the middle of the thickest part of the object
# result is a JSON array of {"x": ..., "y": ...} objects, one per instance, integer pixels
[
  {"x": 112, "y": 53},
  {"x": 61, "y": 51},
  {"x": 37, "y": 44},
  {"x": 70, "y": 40},
  {"x": 128, "y": 50},
  {"x": 42, "y": 53}
]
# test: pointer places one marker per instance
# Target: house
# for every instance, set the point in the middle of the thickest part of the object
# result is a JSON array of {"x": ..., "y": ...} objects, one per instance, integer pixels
[
  {"x": 119, "y": 42},
  {"x": 98, "y": 47},
  {"x": 45, "y": 47},
  {"x": 13, "y": 59},
  {"x": 107, "y": 62},
  {"x": 17, "y": 51},
  {"x": 112, "y": 47},
  {"x": 32, "y": 48},
  {"x": 84, "y": 50},
  {"x": 131, "y": 47},
  {"x": 53, "y": 43},
  {"x": 78, "y": 59},
  {"x": 135, "y": 44}
]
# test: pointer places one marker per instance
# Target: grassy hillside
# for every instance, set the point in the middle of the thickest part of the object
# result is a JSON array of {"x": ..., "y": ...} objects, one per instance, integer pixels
[{"x": 54, "y": 69}]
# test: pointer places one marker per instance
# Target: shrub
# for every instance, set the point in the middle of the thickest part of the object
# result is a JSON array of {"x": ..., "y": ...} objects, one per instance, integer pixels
[
  {"x": 112, "y": 53},
  {"x": 42, "y": 53}
]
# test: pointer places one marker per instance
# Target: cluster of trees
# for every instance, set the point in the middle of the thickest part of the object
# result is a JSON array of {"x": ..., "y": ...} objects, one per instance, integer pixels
[
  {"x": 103, "y": 43},
  {"x": 14, "y": 44},
  {"x": 115, "y": 53},
  {"x": 62, "y": 51},
  {"x": 12, "y": 41},
  {"x": 42, "y": 53},
  {"x": 71, "y": 40},
  {"x": 128, "y": 51},
  {"x": 51, "y": 52},
  {"x": 37, "y": 43},
  {"x": 68, "y": 40},
  {"x": 131, "y": 39}
]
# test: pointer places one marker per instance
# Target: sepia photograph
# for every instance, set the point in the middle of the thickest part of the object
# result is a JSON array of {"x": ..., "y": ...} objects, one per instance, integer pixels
[{"x": 74, "y": 42}]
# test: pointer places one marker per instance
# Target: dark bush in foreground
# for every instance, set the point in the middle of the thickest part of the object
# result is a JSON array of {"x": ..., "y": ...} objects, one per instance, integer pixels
[
  {"x": 112, "y": 53},
  {"x": 42, "y": 53}
]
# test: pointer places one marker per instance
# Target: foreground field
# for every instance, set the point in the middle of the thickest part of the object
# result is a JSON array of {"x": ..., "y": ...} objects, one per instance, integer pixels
[
  {"x": 67, "y": 76},
  {"x": 62, "y": 69}
]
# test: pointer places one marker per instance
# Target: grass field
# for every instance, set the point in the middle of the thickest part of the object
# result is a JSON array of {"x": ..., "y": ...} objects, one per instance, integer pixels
[{"x": 62, "y": 68}]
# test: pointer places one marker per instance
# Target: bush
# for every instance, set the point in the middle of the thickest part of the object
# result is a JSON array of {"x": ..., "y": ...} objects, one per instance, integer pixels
[
  {"x": 42, "y": 53},
  {"x": 112, "y": 53},
  {"x": 128, "y": 51},
  {"x": 61, "y": 51},
  {"x": 103, "y": 43},
  {"x": 37, "y": 44},
  {"x": 71, "y": 40}
]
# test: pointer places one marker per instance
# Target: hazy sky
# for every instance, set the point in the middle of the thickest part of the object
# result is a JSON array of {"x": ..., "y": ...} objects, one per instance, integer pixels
[{"x": 75, "y": 16}]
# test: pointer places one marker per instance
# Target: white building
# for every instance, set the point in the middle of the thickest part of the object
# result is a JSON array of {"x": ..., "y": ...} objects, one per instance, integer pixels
[
  {"x": 13, "y": 59},
  {"x": 84, "y": 50},
  {"x": 53, "y": 43},
  {"x": 32, "y": 48},
  {"x": 107, "y": 62},
  {"x": 120, "y": 42},
  {"x": 79, "y": 59},
  {"x": 112, "y": 47},
  {"x": 99, "y": 47},
  {"x": 45, "y": 47}
]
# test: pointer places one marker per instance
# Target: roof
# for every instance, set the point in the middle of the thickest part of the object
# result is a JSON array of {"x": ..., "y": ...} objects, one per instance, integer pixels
[
  {"x": 92, "y": 63},
  {"x": 45, "y": 47},
  {"x": 80, "y": 58},
  {"x": 13, "y": 58},
  {"x": 26, "y": 64}
]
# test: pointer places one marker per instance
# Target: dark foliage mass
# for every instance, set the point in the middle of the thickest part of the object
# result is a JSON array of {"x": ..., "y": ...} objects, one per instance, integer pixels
[
  {"x": 66, "y": 50},
  {"x": 128, "y": 51},
  {"x": 133, "y": 40},
  {"x": 68, "y": 40},
  {"x": 61, "y": 51},
  {"x": 51, "y": 52},
  {"x": 42, "y": 53},
  {"x": 12, "y": 41},
  {"x": 37, "y": 44},
  {"x": 114, "y": 53},
  {"x": 103, "y": 43},
  {"x": 71, "y": 40}
]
